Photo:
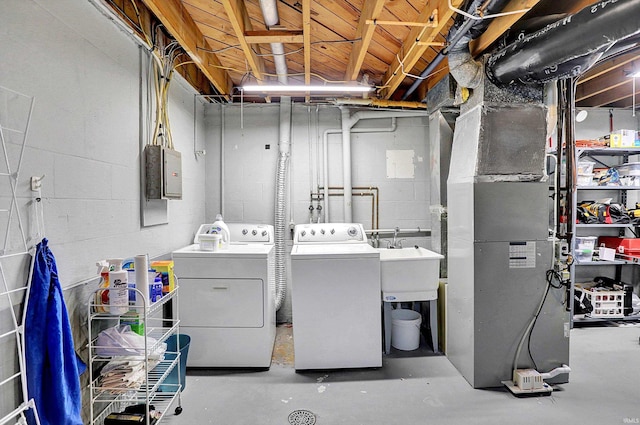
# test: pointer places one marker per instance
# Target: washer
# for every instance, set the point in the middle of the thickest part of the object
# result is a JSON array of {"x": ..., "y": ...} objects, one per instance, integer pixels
[
  {"x": 335, "y": 297},
  {"x": 227, "y": 299}
]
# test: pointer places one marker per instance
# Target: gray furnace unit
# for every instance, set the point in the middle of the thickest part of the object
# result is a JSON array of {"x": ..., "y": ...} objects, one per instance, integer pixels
[{"x": 499, "y": 249}]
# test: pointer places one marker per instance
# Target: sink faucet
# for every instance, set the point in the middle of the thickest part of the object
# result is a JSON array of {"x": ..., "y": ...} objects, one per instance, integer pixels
[{"x": 394, "y": 244}]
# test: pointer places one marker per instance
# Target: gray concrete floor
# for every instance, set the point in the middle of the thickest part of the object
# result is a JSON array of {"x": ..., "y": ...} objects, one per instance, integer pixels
[{"x": 423, "y": 388}]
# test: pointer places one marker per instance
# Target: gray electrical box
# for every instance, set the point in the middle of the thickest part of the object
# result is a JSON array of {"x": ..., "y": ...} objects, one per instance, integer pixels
[{"x": 163, "y": 172}]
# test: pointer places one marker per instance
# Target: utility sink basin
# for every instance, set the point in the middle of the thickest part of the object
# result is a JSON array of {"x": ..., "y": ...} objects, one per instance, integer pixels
[{"x": 409, "y": 274}]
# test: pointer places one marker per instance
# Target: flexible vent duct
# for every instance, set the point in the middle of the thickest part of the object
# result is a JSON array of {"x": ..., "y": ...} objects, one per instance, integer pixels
[
  {"x": 280, "y": 222},
  {"x": 464, "y": 30},
  {"x": 567, "y": 47}
]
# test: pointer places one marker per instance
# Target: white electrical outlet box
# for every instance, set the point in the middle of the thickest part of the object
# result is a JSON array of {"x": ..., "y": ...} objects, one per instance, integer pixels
[{"x": 163, "y": 172}]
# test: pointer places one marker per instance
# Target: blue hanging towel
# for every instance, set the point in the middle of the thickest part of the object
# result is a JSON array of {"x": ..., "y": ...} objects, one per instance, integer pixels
[{"x": 53, "y": 369}]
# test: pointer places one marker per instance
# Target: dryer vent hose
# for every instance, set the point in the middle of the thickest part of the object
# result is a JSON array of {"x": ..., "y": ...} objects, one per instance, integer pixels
[{"x": 280, "y": 229}]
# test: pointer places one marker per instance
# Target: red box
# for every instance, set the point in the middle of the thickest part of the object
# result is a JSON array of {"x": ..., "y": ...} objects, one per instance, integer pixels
[{"x": 626, "y": 246}]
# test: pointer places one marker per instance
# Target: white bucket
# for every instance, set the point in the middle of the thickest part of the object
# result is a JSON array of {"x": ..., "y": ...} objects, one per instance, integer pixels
[
  {"x": 405, "y": 330},
  {"x": 210, "y": 242}
]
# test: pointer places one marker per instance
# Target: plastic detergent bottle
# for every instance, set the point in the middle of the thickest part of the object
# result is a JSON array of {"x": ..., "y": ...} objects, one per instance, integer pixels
[
  {"x": 101, "y": 300},
  {"x": 222, "y": 229},
  {"x": 118, "y": 288}
]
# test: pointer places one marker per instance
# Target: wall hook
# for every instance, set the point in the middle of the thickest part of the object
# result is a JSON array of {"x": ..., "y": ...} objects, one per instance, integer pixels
[{"x": 36, "y": 182}]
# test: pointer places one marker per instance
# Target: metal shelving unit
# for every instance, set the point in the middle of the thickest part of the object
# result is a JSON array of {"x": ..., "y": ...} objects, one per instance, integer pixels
[
  {"x": 620, "y": 193},
  {"x": 153, "y": 390}
]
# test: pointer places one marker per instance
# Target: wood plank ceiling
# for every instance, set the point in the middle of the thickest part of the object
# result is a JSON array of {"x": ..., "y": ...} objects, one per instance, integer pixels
[{"x": 384, "y": 43}]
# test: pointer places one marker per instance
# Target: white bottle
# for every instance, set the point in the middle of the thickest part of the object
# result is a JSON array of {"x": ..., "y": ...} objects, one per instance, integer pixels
[
  {"x": 118, "y": 288},
  {"x": 222, "y": 229}
]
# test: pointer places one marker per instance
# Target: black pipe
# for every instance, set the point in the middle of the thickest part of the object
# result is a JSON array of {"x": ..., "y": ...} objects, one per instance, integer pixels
[
  {"x": 567, "y": 47},
  {"x": 463, "y": 27}
]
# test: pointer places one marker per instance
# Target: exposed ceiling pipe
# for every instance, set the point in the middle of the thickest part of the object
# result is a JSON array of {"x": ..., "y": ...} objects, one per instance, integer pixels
[
  {"x": 348, "y": 121},
  {"x": 271, "y": 18},
  {"x": 463, "y": 31},
  {"x": 568, "y": 47}
]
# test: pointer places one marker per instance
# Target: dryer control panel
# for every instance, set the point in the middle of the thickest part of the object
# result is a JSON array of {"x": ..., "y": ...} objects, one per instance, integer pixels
[{"x": 334, "y": 233}]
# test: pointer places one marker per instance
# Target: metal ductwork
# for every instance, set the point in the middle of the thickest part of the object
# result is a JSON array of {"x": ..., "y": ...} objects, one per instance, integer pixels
[
  {"x": 565, "y": 48},
  {"x": 271, "y": 18},
  {"x": 465, "y": 70}
]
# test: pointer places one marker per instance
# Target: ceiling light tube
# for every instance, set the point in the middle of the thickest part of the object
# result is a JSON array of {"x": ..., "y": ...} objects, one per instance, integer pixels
[
  {"x": 635, "y": 74},
  {"x": 303, "y": 89}
]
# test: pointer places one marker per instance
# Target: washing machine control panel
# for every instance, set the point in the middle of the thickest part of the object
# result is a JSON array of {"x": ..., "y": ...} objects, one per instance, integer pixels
[
  {"x": 243, "y": 233},
  {"x": 329, "y": 233}
]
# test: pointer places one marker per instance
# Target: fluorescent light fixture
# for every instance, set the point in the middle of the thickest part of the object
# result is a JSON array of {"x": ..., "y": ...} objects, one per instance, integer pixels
[
  {"x": 304, "y": 89},
  {"x": 635, "y": 74}
]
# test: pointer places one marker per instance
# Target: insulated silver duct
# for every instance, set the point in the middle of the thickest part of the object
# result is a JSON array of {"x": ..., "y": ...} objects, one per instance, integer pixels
[
  {"x": 271, "y": 18},
  {"x": 463, "y": 31},
  {"x": 280, "y": 221},
  {"x": 565, "y": 48}
]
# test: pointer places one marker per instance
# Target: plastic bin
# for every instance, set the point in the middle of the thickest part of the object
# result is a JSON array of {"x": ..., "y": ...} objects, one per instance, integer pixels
[
  {"x": 585, "y": 167},
  {"x": 584, "y": 248},
  {"x": 405, "y": 329},
  {"x": 585, "y": 180},
  {"x": 606, "y": 303},
  {"x": 171, "y": 382}
]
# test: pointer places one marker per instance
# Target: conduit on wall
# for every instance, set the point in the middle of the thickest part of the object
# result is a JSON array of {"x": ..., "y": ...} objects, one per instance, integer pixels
[{"x": 280, "y": 221}]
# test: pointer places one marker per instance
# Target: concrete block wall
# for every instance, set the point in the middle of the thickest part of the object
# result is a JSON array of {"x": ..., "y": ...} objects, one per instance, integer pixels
[
  {"x": 84, "y": 137},
  {"x": 249, "y": 168}
]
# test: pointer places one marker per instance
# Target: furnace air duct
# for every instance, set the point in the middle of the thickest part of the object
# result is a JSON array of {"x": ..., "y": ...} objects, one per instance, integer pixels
[
  {"x": 461, "y": 64},
  {"x": 565, "y": 48},
  {"x": 280, "y": 221}
]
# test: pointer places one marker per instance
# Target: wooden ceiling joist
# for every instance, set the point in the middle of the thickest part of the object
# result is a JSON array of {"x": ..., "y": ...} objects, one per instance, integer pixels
[
  {"x": 610, "y": 65},
  {"x": 500, "y": 25},
  {"x": 183, "y": 28},
  {"x": 606, "y": 81},
  {"x": 273, "y": 36},
  {"x": 364, "y": 33},
  {"x": 240, "y": 22},
  {"x": 616, "y": 94},
  {"x": 411, "y": 51}
]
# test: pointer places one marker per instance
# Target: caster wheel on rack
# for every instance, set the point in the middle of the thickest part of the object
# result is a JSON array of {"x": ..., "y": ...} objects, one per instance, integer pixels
[{"x": 178, "y": 410}]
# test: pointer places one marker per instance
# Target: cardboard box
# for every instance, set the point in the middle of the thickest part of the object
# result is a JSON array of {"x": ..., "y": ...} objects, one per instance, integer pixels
[{"x": 622, "y": 139}]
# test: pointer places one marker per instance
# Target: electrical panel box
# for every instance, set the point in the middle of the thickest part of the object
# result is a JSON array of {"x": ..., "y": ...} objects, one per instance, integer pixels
[{"x": 163, "y": 173}]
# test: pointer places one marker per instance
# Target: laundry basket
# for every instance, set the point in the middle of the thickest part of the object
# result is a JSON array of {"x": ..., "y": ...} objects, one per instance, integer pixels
[
  {"x": 405, "y": 329},
  {"x": 170, "y": 384}
]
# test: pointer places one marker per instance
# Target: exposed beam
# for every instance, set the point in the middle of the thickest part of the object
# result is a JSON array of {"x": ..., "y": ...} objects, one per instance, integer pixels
[
  {"x": 239, "y": 19},
  {"x": 500, "y": 25},
  {"x": 605, "y": 81},
  {"x": 273, "y": 36},
  {"x": 616, "y": 94},
  {"x": 364, "y": 33},
  {"x": 414, "y": 45},
  {"x": 184, "y": 30},
  {"x": 398, "y": 23},
  {"x": 609, "y": 65}
]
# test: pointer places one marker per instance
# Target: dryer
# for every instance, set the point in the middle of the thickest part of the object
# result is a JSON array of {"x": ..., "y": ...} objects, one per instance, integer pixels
[
  {"x": 335, "y": 297},
  {"x": 227, "y": 299}
]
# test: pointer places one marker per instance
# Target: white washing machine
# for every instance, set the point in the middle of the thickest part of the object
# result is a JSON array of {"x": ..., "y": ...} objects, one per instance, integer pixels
[
  {"x": 227, "y": 299},
  {"x": 335, "y": 297}
]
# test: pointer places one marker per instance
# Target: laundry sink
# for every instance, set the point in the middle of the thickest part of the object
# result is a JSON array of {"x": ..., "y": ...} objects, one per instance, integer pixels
[{"x": 407, "y": 273}]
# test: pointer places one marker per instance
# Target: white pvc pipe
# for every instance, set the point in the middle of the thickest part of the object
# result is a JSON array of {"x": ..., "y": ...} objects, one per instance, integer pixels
[
  {"x": 348, "y": 121},
  {"x": 325, "y": 156},
  {"x": 555, "y": 372}
]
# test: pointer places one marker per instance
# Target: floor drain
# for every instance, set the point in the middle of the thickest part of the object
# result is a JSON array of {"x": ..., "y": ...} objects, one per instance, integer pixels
[{"x": 302, "y": 417}]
